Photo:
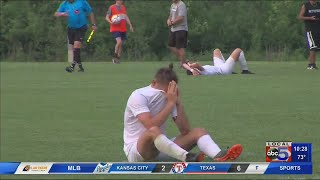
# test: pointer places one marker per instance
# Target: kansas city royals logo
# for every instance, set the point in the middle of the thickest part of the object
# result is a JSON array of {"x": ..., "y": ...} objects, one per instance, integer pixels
[
  {"x": 178, "y": 168},
  {"x": 102, "y": 168}
]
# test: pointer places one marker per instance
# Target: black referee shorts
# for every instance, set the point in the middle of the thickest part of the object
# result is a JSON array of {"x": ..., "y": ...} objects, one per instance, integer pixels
[{"x": 76, "y": 34}]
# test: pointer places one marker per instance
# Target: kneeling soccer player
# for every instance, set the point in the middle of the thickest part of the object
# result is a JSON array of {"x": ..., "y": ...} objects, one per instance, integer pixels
[
  {"x": 145, "y": 119},
  {"x": 220, "y": 65}
]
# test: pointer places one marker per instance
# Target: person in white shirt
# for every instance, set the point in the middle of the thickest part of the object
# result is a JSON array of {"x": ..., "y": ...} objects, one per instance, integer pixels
[
  {"x": 145, "y": 118},
  {"x": 220, "y": 66}
]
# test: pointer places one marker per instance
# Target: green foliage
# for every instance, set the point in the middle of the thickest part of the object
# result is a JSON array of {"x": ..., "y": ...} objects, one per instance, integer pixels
[{"x": 269, "y": 29}]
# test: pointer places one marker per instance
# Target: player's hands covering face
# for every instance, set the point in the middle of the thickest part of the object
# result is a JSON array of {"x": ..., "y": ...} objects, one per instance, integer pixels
[{"x": 172, "y": 93}]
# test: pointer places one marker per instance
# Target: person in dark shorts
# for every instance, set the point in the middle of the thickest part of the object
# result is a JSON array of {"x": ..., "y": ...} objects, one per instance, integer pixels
[
  {"x": 310, "y": 14},
  {"x": 178, "y": 35},
  {"x": 118, "y": 28},
  {"x": 76, "y": 12}
]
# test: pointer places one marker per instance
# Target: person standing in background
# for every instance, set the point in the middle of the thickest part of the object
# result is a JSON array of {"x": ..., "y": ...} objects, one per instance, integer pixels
[
  {"x": 118, "y": 30},
  {"x": 76, "y": 11},
  {"x": 178, "y": 34},
  {"x": 310, "y": 14}
]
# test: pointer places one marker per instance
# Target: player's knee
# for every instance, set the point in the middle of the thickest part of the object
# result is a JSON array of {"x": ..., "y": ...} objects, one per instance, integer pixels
[
  {"x": 154, "y": 132},
  {"x": 77, "y": 44},
  {"x": 238, "y": 50},
  {"x": 119, "y": 42},
  {"x": 198, "y": 132}
]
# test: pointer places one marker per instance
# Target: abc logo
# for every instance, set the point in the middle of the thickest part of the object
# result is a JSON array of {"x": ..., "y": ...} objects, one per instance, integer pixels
[
  {"x": 273, "y": 153},
  {"x": 278, "y": 154}
]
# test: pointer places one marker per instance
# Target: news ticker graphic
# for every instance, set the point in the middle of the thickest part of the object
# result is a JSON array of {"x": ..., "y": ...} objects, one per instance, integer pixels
[
  {"x": 284, "y": 151},
  {"x": 155, "y": 168}
]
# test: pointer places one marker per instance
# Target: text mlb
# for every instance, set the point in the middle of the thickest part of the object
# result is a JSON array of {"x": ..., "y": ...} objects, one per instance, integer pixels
[{"x": 74, "y": 168}]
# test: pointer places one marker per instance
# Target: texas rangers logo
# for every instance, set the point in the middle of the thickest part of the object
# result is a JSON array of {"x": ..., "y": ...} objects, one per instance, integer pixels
[{"x": 178, "y": 168}]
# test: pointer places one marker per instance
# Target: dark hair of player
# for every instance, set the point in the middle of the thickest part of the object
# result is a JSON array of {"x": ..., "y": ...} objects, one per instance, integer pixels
[{"x": 166, "y": 75}]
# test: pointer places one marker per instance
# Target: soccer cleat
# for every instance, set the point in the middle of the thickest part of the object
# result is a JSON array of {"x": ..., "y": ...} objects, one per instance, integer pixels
[
  {"x": 69, "y": 69},
  {"x": 195, "y": 157},
  {"x": 246, "y": 72},
  {"x": 231, "y": 153}
]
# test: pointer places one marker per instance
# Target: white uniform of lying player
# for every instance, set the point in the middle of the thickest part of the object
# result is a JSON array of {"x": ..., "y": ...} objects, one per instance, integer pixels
[
  {"x": 145, "y": 119},
  {"x": 220, "y": 65}
]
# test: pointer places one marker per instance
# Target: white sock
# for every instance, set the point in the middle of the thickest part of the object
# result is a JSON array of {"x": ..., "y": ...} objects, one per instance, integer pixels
[
  {"x": 70, "y": 53},
  {"x": 243, "y": 62},
  {"x": 208, "y": 146},
  {"x": 165, "y": 145}
]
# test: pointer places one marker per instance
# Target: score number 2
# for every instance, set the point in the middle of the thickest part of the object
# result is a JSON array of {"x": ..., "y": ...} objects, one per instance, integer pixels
[{"x": 163, "y": 168}]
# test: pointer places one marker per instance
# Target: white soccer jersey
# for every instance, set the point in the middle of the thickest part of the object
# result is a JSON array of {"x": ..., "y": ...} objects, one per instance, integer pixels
[
  {"x": 211, "y": 70},
  {"x": 142, "y": 100}
]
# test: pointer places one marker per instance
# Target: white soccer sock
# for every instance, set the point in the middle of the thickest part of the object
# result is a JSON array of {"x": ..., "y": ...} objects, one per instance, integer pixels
[
  {"x": 243, "y": 62},
  {"x": 165, "y": 145},
  {"x": 208, "y": 146},
  {"x": 70, "y": 53}
]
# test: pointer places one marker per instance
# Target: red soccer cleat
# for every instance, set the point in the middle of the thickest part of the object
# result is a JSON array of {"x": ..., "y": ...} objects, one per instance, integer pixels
[{"x": 231, "y": 153}]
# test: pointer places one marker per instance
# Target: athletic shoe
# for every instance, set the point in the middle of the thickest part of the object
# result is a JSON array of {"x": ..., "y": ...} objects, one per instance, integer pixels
[
  {"x": 246, "y": 72},
  {"x": 116, "y": 59},
  {"x": 312, "y": 66},
  {"x": 195, "y": 157},
  {"x": 69, "y": 69},
  {"x": 231, "y": 153}
]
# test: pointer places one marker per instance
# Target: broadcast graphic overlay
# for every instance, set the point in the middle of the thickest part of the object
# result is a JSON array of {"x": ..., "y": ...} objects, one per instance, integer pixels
[{"x": 281, "y": 157}]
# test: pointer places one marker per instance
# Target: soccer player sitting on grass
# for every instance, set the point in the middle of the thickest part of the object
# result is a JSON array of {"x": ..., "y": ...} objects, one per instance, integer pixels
[
  {"x": 220, "y": 65},
  {"x": 145, "y": 120}
]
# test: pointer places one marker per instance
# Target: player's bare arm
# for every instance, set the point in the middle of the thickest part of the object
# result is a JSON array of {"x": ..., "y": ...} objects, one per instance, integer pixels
[
  {"x": 129, "y": 22},
  {"x": 177, "y": 20},
  {"x": 93, "y": 21},
  {"x": 61, "y": 14},
  {"x": 148, "y": 121},
  {"x": 181, "y": 120},
  {"x": 108, "y": 16},
  {"x": 196, "y": 66},
  {"x": 108, "y": 19}
]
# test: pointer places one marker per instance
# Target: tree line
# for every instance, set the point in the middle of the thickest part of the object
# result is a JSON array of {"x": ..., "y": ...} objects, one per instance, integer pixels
[{"x": 265, "y": 29}]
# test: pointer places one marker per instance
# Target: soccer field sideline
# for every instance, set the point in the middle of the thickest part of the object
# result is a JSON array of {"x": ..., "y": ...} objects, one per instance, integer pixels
[{"x": 46, "y": 88}]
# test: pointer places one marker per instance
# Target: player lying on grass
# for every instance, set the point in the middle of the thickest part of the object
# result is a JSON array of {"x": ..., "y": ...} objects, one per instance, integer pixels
[
  {"x": 145, "y": 120},
  {"x": 220, "y": 65}
]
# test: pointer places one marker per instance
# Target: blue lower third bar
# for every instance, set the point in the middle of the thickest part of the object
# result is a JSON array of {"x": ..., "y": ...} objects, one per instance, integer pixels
[
  {"x": 207, "y": 168},
  {"x": 78, "y": 168},
  {"x": 8, "y": 167},
  {"x": 289, "y": 168}
]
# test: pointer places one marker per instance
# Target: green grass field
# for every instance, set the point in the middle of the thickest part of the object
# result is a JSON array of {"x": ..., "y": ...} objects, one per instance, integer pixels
[{"x": 50, "y": 115}]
